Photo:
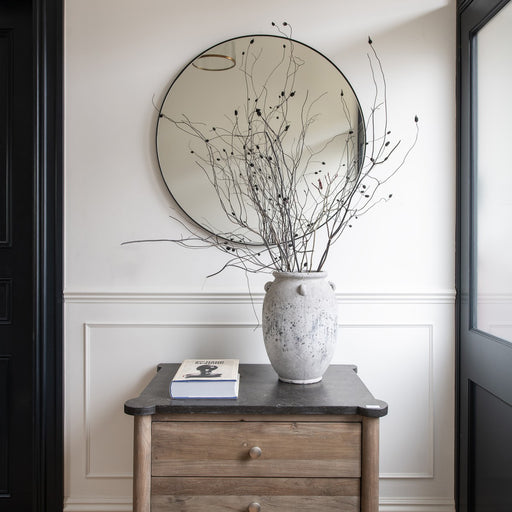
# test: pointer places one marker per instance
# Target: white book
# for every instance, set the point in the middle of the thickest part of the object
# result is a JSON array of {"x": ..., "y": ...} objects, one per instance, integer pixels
[{"x": 206, "y": 378}]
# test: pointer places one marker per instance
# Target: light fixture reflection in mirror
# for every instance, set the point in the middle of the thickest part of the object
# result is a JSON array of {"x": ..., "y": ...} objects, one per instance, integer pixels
[
  {"x": 280, "y": 101},
  {"x": 222, "y": 59}
]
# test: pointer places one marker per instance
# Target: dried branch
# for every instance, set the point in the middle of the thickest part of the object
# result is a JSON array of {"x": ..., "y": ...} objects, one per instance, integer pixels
[{"x": 272, "y": 185}]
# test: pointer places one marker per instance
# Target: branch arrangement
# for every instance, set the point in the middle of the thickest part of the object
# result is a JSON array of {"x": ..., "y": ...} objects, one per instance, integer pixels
[{"x": 273, "y": 184}]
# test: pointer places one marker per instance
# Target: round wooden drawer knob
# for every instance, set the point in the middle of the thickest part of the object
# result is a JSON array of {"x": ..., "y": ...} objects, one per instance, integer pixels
[
  {"x": 254, "y": 507},
  {"x": 255, "y": 453}
]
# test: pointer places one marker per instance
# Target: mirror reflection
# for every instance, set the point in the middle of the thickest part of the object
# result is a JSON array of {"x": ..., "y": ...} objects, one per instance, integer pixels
[{"x": 245, "y": 106}]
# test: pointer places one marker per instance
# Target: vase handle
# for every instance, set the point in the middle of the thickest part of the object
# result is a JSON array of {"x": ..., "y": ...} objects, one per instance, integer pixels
[
  {"x": 332, "y": 285},
  {"x": 267, "y": 286}
]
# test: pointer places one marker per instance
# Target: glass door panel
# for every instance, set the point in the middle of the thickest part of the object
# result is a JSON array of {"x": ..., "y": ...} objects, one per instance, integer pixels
[{"x": 493, "y": 195}]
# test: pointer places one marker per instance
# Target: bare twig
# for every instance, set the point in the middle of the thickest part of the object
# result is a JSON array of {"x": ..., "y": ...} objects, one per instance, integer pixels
[{"x": 272, "y": 185}]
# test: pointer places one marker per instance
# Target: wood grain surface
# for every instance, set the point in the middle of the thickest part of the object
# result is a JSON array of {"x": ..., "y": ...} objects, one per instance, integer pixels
[
  {"x": 292, "y": 449},
  {"x": 266, "y": 503}
]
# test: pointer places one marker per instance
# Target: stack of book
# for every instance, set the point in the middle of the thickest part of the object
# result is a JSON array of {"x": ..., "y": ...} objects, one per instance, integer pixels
[{"x": 206, "y": 378}]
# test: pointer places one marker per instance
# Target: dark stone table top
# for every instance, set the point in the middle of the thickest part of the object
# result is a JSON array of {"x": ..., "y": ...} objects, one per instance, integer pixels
[{"x": 341, "y": 391}]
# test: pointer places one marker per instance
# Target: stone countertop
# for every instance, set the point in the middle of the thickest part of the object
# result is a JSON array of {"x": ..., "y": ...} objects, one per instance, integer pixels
[{"x": 341, "y": 391}]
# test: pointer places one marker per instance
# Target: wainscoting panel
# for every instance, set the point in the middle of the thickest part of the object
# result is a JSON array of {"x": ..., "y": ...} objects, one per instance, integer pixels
[
  {"x": 402, "y": 345},
  {"x": 137, "y": 346},
  {"x": 382, "y": 350}
]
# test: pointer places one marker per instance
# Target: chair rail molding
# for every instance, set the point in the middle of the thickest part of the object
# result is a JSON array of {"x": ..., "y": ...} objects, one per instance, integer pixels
[{"x": 84, "y": 297}]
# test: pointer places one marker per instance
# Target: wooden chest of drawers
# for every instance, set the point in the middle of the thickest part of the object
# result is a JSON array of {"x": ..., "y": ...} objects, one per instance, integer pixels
[{"x": 279, "y": 447}]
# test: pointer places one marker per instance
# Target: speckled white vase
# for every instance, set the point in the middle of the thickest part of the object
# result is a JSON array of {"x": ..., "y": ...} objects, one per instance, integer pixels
[{"x": 300, "y": 319}]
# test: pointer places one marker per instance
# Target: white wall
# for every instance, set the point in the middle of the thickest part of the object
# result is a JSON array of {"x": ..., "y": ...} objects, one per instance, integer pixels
[{"x": 131, "y": 307}]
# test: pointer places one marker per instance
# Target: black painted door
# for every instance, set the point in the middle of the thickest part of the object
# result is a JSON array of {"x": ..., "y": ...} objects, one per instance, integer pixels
[
  {"x": 485, "y": 257},
  {"x": 30, "y": 355},
  {"x": 16, "y": 255}
]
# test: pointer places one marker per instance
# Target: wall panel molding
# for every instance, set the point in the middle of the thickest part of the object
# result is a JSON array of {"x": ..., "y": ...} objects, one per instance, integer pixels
[
  {"x": 428, "y": 473},
  {"x": 78, "y": 297},
  {"x": 98, "y": 505},
  {"x": 423, "y": 469},
  {"x": 89, "y": 371},
  {"x": 416, "y": 505}
]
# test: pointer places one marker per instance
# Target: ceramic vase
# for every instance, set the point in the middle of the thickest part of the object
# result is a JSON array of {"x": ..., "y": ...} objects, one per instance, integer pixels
[{"x": 300, "y": 325}]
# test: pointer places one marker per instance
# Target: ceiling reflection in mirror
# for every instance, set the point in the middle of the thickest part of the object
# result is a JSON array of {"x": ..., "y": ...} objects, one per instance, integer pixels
[{"x": 251, "y": 101}]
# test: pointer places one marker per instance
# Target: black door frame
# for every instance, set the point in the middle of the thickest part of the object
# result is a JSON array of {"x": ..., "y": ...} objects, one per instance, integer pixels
[
  {"x": 471, "y": 16},
  {"x": 48, "y": 337}
]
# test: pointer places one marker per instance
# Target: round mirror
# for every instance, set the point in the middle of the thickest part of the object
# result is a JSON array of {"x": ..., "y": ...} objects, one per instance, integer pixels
[{"x": 244, "y": 106}]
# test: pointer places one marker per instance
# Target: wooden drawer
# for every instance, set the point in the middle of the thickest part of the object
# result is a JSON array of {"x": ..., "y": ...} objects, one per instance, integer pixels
[
  {"x": 243, "y": 504},
  {"x": 272, "y": 494},
  {"x": 288, "y": 449},
  {"x": 317, "y": 455}
]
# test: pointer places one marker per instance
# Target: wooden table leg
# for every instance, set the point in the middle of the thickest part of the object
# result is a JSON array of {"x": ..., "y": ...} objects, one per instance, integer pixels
[
  {"x": 370, "y": 466},
  {"x": 142, "y": 464}
]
